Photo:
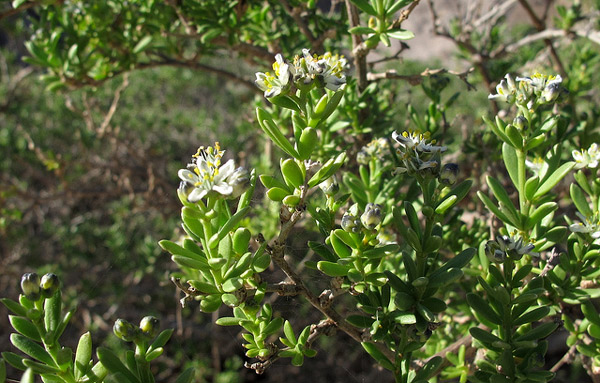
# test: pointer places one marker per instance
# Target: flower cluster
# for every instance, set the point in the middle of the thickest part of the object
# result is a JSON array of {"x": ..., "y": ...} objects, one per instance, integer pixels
[
  {"x": 326, "y": 71},
  {"x": 129, "y": 332},
  {"x": 587, "y": 158},
  {"x": 539, "y": 88},
  {"x": 588, "y": 225},
  {"x": 376, "y": 149},
  {"x": 205, "y": 176},
  {"x": 34, "y": 288},
  {"x": 505, "y": 246},
  {"x": 418, "y": 153},
  {"x": 372, "y": 216}
]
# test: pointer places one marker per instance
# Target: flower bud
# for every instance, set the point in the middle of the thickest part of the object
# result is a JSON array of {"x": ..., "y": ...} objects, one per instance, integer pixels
[
  {"x": 125, "y": 330},
  {"x": 372, "y": 216},
  {"x": 30, "y": 285},
  {"x": 494, "y": 252},
  {"x": 49, "y": 284},
  {"x": 521, "y": 123},
  {"x": 551, "y": 92},
  {"x": 149, "y": 326},
  {"x": 448, "y": 174},
  {"x": 330, "y": 186},
  {"x": 350, "y": 223}
]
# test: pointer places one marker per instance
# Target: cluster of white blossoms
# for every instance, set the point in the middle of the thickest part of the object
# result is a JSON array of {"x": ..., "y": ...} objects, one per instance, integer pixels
[
  {"x": 378, "y": 149},
  {"x": 206, "y": 176},
  {"x": 418, "y": 153},
  {"x": 326, "y": 70},
  {"x": 538, "y": 88},
  {"x": 588, "y": 225},
  {"x": 587, "y": 158},
  {"x": 507, "y": 246}
]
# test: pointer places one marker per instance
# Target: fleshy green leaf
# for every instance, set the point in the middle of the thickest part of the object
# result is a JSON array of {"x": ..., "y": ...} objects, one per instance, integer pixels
[
  {"x": 364, "y": 6},
  {"x": 186, "y": 376},
  {"x": 378, "y": 355},
  {"x": 333, "y": 269},
  {"x": 400, "y": 34},
  {"x": 83, "y": 355},
  {"x": 142, "y": 44},
  {"x": 32, "y": 349},
  {"x": 550, "y": 181},
  {"x": 361, "y": 30},
  {"x": 580, "y": 201},
  {"x": 25, "y": 327},
  {"x": 509, "y": 155},
  {"x": 481, "y": 307},
  {"x": 113, "y": 363}
]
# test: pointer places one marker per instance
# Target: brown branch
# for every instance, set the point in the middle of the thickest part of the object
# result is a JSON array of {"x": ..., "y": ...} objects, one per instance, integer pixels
[
  {"x": 14, "y": 11},
  {"x": 277, "y": 255},
  {"x": 416, "y": 79},
  {"x": 568, "y": 358},
  {"x": 404, "y": 14},
  {"x": 88, "y": 81},
  {"x": 294, "y": 12},
  {"x": 543, "y": 35},
  {"x": 479, "y": 59},
  {"x": 113, "y": 106},
  {"x": 359, "y": 49},
  {"x": 540, "y": 26},
  {"x": 325, "y": 327}
]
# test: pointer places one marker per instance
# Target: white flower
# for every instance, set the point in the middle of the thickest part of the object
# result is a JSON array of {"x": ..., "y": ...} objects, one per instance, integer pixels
[
  {"x": 274, "y": 84},
  {"x": 327, "y": 68},
  {"x": 589, "y": 225},
  {"x": 538, "y": 166},
  {"x": 506, "y": 90},
  {"x": 208, "y": 177},
  {"x": 587, "y": 158},
  {"x": 417, "y": 153},
  {"x": 504, "y": 245},
  {"x": 418, "y": 141},
  {"x": 546, "y": 87}
]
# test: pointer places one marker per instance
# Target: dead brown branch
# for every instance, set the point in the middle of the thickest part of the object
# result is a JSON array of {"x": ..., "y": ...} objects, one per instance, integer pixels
[{"x": 416, "y": 79}]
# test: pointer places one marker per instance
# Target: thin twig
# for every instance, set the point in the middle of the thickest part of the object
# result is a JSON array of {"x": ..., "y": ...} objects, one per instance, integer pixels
[
  {"x": 540, "y": 25},
  {"x": 568, "y": 358},
  {"x": 416, "y": 79},
  {"x": 294, "y": 12},
  {"x": 113, "y": 106},
  {"x": 14, "y": 11},
  {"x": 359, "y": 50}
]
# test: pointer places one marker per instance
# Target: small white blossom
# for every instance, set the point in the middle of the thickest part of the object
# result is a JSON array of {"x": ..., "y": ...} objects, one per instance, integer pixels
[
  {"x": 538, "y": 167},
  {"x": 417, "y": 153},
  {"x": 546, "y": 87},
  {"x": 587, "y": 158},
  {"x": 206, "y": 176},
  {"x": 506, "y": 90},
  {"x": 276, "y": 83},
  {"x": 328, "y": 68},
  {"x": 497, "y": 250},
  {"x": 588, "y": 225}
]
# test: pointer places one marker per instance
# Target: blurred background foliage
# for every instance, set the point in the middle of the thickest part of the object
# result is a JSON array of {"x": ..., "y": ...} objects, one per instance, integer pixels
[{"x": 90, "y": 150}]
